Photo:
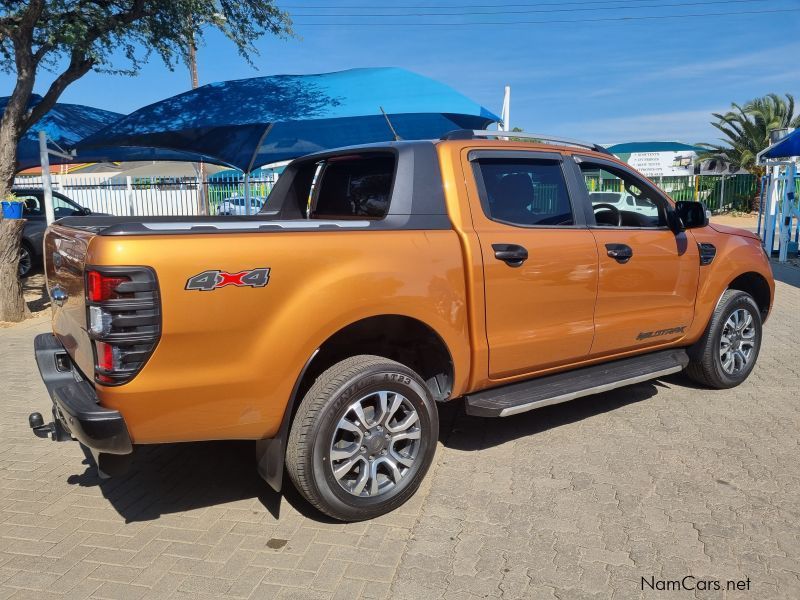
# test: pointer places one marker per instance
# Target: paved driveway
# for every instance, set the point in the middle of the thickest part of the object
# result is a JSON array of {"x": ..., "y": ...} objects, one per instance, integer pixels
[{"x": 593, "y": 499}]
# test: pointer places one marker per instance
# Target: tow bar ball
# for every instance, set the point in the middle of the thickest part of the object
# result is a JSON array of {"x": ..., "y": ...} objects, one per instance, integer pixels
[{"x": 36, "y": 421}]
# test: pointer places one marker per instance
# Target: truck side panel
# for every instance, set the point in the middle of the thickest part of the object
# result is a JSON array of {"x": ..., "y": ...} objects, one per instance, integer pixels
[{"x": 228, "y": 358}]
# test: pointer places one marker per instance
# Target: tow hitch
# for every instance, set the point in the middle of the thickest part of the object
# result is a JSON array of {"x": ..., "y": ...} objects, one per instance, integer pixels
[{"x": 53, "y": 430}]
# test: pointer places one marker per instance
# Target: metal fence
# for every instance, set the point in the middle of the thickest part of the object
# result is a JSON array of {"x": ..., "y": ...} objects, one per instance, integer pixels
[
  {"x": 720, "y": 193},
  {"x": 151, "y": 196},
  {"x": 187, "y": 196}
]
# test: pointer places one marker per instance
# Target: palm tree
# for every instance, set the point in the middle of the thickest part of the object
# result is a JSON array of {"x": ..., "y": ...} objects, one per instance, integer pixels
[{"x": 746, "y": 130}]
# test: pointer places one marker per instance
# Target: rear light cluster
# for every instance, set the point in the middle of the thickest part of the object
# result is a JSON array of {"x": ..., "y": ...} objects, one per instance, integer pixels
[{"x": 123, "y": 316}]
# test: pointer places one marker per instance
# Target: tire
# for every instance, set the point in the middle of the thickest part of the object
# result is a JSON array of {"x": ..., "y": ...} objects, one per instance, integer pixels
[
  {"x": 25, "y": 260},
  {"x": 710, "y": 364},
  {"x": 396, "y": 443}
]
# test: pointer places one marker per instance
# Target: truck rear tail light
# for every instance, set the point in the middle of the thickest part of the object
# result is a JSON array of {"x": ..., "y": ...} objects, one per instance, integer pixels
[
  {"x": 99, "y": 321},
  {"x": 107, "y": 357},
  {"x": 102, "y": 287},
  {"x": 123, "y": 320}
]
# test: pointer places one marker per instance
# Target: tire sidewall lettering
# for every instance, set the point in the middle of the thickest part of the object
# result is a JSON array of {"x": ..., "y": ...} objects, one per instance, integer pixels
[
  {"x": 359, "y": 387},
  {"x": 737, "y": 302}
]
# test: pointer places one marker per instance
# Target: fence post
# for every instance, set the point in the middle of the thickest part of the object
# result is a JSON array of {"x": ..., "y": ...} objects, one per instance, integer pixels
[
  {"x": 129, "y": 187},
  {"x": 206, "y": 199},
  {"x": 722, "y": 192}
]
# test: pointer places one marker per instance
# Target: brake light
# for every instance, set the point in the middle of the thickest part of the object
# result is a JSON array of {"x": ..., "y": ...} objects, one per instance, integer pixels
[
  {"x": 106, "y": 355},
  {"x": 102, "y": 287},
  {"x": 123, "y": 317}
]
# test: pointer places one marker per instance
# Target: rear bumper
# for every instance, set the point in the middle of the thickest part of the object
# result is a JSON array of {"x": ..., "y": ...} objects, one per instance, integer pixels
[{"x": 75, "y": 403}]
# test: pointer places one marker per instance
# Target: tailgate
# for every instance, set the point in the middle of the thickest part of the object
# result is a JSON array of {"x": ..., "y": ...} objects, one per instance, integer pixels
[{"x": 65, "y": 252}]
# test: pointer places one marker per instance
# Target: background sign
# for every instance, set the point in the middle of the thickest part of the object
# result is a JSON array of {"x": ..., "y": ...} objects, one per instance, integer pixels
[{"x": 662, "y": 164}]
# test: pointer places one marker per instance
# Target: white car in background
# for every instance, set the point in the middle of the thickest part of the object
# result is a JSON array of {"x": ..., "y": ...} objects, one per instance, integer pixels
[
  {"x": 625, "y": 202},
  {"x": 236, "y": 205}
]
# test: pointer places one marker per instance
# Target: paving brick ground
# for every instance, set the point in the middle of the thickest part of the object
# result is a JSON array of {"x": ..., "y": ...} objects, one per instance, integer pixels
[{"x": 577, "y": 501}]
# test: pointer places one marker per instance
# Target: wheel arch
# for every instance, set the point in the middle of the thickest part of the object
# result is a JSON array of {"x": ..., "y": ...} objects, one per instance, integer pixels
[
  {"x": 758, "y": 287},
  {"x": 402, "y": 338}
]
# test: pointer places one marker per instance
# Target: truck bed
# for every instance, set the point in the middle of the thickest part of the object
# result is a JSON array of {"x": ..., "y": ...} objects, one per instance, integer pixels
[{"x": 176, "y": 225}]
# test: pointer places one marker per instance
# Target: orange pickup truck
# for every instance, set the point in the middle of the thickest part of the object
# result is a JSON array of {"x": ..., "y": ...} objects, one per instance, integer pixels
[{"x": 377, "y": 282}]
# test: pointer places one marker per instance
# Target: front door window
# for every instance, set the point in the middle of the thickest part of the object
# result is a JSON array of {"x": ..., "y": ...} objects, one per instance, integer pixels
[{"x": 621, "y": 199}]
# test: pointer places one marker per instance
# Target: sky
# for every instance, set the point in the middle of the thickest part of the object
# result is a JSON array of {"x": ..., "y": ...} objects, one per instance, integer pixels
[{"x": 606, "y": 71}]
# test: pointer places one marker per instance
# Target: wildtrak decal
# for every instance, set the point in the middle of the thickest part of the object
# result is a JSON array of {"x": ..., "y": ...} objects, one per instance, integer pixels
[
  {"x": 212, "y": 280},
  {"x": 643, "y": 335}
]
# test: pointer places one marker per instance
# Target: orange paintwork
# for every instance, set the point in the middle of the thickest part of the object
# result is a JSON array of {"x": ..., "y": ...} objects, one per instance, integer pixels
[{"x": 227, "y": 361}]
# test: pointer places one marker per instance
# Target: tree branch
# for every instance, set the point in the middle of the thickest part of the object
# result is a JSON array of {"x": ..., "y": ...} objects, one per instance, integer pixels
[
  {"x": 80, "y": 61},
  {"x": 79, "y": 65}
]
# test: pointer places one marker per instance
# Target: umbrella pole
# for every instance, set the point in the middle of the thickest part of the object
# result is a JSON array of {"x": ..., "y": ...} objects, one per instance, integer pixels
[
  {"x": 47, "y": 185},
  {"x": 247, "y": 193}
]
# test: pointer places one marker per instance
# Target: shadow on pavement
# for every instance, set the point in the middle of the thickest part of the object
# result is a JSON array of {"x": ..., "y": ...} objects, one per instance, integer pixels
[
  {"x": 34, "y": 288},
  {"x": 786, "y": 273},
  {"x": 172, "y": 478},
  {"x": 477, "y": 433}
]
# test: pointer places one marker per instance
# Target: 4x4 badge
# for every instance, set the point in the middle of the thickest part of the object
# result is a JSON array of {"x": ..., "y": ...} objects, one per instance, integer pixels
[{"x": 211, "y": 280}]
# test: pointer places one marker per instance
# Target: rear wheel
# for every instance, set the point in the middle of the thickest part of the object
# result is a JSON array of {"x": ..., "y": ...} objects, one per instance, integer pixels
[
  {"x": 726, "y": 354},
  {"x": 25, "y": 260},
  {"x": 363, "y": 438}
]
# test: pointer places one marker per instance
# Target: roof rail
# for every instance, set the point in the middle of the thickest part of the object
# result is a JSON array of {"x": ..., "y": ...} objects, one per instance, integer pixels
[{"x": 471, "y": 134}]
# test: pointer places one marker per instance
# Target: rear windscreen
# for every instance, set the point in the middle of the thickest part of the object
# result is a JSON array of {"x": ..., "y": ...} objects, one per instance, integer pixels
[{"x": 355, "y": 187}]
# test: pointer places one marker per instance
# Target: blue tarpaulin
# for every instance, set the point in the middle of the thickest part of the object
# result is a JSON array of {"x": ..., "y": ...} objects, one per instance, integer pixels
[
  {"x": 787, "y": 147},
  {"x": 66, "y": 124},
  {"x": 251, "y": 122}
]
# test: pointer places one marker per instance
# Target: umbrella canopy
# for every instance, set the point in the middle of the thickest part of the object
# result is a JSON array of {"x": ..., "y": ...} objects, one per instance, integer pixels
[
  {"x": 66, "y": 124},
  {"x": 788, "y": 146},
  {"x": 250, "y": 122}
]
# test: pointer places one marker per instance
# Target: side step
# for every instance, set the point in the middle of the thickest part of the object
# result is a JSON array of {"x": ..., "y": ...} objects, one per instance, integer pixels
[{"x": 562, "y": 387}]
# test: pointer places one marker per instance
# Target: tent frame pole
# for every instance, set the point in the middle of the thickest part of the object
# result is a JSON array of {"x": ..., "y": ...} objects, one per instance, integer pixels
[
  {"x": 47, "y": 184},
  {"x": 788, "y": 212},
  {"x": 247, "y": 193}
]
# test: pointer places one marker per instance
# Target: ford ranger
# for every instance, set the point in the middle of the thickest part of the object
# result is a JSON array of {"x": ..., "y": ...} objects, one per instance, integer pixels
[{"x": 377, "y": 282}]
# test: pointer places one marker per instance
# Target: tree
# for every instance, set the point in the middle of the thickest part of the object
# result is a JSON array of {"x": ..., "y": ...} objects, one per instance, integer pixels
[
  {"x": 73, "y": 37},
  {"x": 746, "y": 130}
]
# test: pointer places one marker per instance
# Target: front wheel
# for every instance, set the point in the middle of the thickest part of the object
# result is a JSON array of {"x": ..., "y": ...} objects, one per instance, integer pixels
[
  {"x": 727, "y": 352},
  {"x": 363, "y": 438}
]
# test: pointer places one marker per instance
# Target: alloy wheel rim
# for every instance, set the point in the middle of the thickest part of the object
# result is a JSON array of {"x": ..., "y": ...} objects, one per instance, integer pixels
[
  {"x": 24, "y": 261},
  {"x": 737, "y": 342},
  {"x": 375, "y": 444}
]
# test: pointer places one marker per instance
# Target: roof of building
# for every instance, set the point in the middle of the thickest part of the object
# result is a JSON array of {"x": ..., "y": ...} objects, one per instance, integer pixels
[{"x": 631, "y": 147}]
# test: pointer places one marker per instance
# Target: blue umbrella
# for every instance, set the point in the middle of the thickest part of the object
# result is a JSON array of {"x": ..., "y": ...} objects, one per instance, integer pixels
[
  {"x": 788, "y": 146},
  {"x": 250, "y": 122},
  {"x": 66, "y": 124}
]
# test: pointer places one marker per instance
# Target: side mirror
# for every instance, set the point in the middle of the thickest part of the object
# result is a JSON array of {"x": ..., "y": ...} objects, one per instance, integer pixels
[
  {"x": 691, "y": 214},
  {"x": 87, "y": 211}
]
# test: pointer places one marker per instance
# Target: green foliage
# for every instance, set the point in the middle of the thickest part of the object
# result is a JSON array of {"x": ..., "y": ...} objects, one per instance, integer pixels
[
  {"x": 99, "y": 31},
  {"x": 746, "y": 130}
]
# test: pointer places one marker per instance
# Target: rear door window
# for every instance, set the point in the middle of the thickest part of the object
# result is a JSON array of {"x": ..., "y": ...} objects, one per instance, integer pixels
[
  {"x": 31, "y": 205},
  {"x": 524, "y": 192}
]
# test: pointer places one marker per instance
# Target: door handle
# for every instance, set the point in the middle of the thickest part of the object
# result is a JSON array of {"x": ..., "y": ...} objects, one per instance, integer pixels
[
  {"x": 621, "y": 253},
  {"x": 511, "y": 254}
]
